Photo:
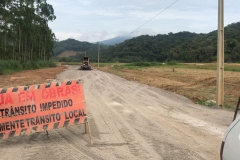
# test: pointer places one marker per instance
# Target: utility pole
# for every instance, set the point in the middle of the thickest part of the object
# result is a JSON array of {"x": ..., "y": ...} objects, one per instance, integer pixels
[
  {"x": 98, "y": 53},
  {"x": 220, "y": 55}
]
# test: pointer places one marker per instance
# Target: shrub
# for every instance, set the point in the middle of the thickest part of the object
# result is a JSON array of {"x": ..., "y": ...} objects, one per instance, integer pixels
[
  {"x": 2, "y": 65},
  {"x": 172, "y": 63},
  {"x": 34, "y": 65},
  {"x": 142, "y": 64},
  {"x": 42, "y": 64},
  {"x": 9, "y": 66},
  {"x": 16, "y": 65},
  {"x": 51, "y": 64},
  {"x": 27, "y": 65}
]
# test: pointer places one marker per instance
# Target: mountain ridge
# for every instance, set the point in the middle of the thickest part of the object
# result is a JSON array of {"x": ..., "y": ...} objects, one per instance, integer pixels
[
  {"x": 182, "y": 46},
  {"x": 115, "y": 40}
]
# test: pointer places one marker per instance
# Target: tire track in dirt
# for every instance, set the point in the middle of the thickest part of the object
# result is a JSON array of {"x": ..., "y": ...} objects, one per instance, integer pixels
[
  {"x": 145, "y": 122},
  {"x": 116, "y": 89},
  {"x": 25, "y": 147},
  {"x": 34, "y": 147},
  {"x": 135, "y": 148},
  {"x": 105, "y": 131},
  {"x": 67, "y": 147},
  {"x": 141, "y": 148},
  {"x": 162, "y": 126}
]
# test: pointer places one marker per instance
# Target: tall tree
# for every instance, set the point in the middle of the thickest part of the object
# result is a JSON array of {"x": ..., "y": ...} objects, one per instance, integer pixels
[{"x": 24, "y": 30}]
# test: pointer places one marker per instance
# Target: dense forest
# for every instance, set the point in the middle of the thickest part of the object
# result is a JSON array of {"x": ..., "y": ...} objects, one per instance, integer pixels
[
  {"x": 146, "y": 48},
  {"x": 24, "y": 31},
  {"x": 182, "y": 46}
]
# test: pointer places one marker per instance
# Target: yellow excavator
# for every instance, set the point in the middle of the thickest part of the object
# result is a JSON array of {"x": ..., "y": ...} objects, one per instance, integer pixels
[{"x": 86, "y": 64}]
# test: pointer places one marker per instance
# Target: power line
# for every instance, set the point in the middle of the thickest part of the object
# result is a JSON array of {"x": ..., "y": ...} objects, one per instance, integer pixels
[{"x": 151, "y": 19}]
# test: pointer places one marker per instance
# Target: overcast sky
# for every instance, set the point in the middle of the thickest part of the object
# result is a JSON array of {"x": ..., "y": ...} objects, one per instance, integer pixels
[{"x": 97, "y": 20}]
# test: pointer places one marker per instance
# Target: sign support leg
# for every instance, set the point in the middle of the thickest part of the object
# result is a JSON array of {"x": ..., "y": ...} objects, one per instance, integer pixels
[{"x": 87, "y": 129}]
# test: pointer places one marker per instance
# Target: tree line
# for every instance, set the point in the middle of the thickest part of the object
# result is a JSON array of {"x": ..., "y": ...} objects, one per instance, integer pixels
[
  {"x": 24, "y": 31},
  {"x": 182, "y": 46}
]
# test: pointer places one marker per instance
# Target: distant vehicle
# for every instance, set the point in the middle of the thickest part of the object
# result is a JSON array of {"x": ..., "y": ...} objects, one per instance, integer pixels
[
  {"x": 86, "y": 64},
  {"x": 230, "y": 148}
]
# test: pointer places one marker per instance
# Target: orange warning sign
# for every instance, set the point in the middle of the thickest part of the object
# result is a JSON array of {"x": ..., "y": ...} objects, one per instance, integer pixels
[{"x": 29, "y": 109}]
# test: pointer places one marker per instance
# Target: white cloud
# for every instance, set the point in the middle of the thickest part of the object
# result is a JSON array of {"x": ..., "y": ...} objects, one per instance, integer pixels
[
  {"x": 96, "y": 20},
  {"x": 66, "y": 35},
  {"x": 85, "y": 2}
]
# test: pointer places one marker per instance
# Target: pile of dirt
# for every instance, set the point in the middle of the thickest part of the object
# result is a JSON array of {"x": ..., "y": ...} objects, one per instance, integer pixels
[{"x": 69, "y": 53}]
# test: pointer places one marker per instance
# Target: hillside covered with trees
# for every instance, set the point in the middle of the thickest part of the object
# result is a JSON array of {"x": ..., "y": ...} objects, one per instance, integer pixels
[
  {"x": 24, "y": 31},
  {"x": 79, "y": 47},
  {"x": 182, "y": 46}
]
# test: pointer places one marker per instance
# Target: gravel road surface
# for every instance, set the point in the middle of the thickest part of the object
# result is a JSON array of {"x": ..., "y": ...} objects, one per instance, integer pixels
[{"x": 128, "y": 120}]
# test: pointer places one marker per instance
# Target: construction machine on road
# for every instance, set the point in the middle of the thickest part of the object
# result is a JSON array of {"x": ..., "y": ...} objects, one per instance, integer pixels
[{"x": 86, "y": 64}]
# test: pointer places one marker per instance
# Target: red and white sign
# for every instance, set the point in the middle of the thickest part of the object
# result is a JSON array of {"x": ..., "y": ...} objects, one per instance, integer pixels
[{"x": 29, "y": 109}]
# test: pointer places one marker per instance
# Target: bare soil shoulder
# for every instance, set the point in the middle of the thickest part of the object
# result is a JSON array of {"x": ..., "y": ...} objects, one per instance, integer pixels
[
  {"x": 30, "y": 77},
  {"x": 198, "y": 85}
]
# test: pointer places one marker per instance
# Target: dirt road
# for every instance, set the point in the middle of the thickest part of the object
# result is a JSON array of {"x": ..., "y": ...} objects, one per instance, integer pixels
[{"x": 128, "y": 120}]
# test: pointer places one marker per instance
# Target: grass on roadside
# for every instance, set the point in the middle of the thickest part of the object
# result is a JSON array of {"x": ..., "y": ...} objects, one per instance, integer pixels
[
  {"x": 10, "y": 66},
  {"x": 208, "y": 103}
]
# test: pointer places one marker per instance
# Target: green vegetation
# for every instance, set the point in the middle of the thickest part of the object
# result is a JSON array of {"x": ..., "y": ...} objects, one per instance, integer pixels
[
  {"x": 227, "y": 106},
  {"x": 171, "y": 48},
  {"x": 24, "y": 32},
  {"x": 208, "y": 103},
  {"x": 10, "y": 66},
  {"x": 181, "y": 47}
]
